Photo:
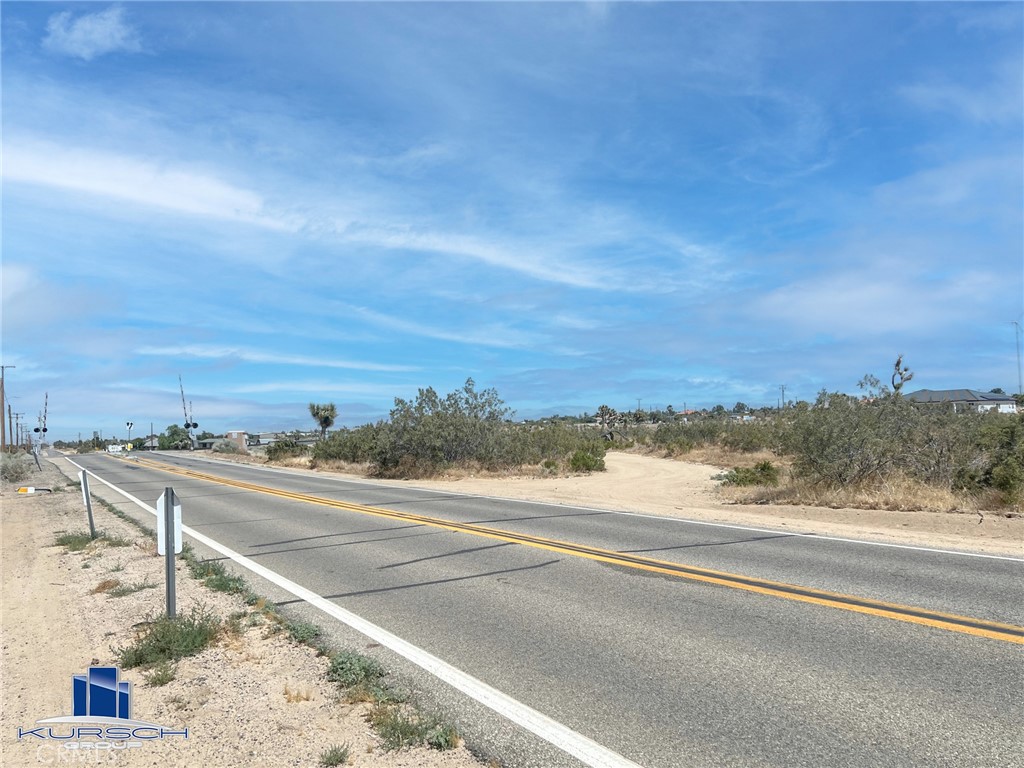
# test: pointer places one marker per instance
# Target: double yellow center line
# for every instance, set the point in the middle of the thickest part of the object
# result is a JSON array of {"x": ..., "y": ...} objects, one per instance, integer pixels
[{"x": 979, "y": 627}]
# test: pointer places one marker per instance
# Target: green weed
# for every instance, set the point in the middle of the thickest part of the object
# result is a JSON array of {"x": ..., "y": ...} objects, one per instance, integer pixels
[
  {"x": 336, "y": 755},
  {"x": 167, "y": 639}
]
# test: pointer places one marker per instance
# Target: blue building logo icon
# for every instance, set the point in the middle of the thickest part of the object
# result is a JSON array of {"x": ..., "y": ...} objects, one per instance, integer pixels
[
  {"x": 102, "y": 705},
  {"x": 101, "y": 693}
]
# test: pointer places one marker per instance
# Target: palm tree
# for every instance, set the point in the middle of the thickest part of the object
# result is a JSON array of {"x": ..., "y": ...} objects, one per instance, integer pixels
[{"x": 324, "y": 414}]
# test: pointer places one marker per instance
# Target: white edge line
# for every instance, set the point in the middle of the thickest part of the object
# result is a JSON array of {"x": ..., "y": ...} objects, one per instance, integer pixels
[
  {"x": 576, "y": 744},
  {"x": 817, "y": 536}
]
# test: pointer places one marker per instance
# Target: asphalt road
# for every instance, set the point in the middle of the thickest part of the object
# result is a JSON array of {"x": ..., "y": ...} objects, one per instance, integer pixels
[{"x": 665, "y": 670}]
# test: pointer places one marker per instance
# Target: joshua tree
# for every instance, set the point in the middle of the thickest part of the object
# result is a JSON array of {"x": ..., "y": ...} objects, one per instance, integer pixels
[
  {"x": 324, "y": 415},
  {"x": 904, "y": 375}
]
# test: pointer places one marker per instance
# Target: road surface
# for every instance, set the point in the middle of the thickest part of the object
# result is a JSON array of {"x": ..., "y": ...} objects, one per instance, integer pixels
[{"x": 667, "y": 642}]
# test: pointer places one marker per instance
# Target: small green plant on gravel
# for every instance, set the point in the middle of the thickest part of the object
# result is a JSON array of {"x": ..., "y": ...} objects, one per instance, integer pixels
[
  {"x": 77, "y": 541},
  {"x": 302, "y": 631},
  {"x": 129, "y": 589},
  {"x": 349, "y": 669},
  {"x": 336, "y": 755},
  {"x": 161, "y": 674},
  {"x": 215, "y": 576},
  {"x": 167, "y": 639},
  {"x": 399, "y": 727},
  {"x": 74, "y": 542}
]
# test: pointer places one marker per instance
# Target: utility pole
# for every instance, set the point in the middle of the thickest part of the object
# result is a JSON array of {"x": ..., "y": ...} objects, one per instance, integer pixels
[
  {"x": 1016, "y": 328},
  {"x": 782, "y": 388},
  {"x": 3, "y": 401},
  {"x": 17, "y": 426}
]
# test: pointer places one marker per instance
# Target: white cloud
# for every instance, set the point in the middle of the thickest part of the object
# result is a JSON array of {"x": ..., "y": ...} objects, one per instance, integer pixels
[
  {"x": 139, "y": 181},
  {"x": 494, "y": 335},
  {"x": 878, "y": 301},
  {"x": 524, "y": 261},
  {"x": 252, "y": 356},
  {"x": 998, "y": 101},
  {"x": 319, "y": 386},
  {"x": 90, "y": 35}
]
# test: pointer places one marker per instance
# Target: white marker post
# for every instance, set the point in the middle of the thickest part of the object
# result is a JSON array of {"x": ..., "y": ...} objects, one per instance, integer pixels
[
  {"x": 83, "y": 478},
  {"x": 168, "y": 539}
]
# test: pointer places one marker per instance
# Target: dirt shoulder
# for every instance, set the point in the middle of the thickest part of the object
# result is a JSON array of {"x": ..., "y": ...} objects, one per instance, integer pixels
[
  {"x": 254, "y": 698},
  {"x": 686, "y": 490},
  {"x": 670, "y": 488}
]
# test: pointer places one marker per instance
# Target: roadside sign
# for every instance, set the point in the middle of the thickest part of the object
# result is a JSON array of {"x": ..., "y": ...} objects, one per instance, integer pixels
[{"x": 161, "y": 522}]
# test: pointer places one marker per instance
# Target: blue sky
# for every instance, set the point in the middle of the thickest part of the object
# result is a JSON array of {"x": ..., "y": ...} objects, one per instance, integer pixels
[{"x": 574, "y": 203}]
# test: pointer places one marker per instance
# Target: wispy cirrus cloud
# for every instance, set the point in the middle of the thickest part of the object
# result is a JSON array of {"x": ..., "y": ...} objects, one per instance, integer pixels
[
  {"x": 91, "y": 34},
  {"x": 999, "y": 100},
  {"x": 241, "y": 354},
  {"x": 319, "y": 387},
  {"x": 492, "y": 335},
  {"x": 138, "y": 181},
  {"x": 846, "y": 305}
]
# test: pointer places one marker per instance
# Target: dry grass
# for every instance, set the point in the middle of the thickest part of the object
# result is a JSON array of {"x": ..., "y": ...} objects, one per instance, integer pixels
[
  {"x": 334, "y": 465},
  {"x": 300, "y": 693},
  {"x": 718, "y": 456},
  {"x": 105, "y": 586},
  {"x": 899, "y": 494}
]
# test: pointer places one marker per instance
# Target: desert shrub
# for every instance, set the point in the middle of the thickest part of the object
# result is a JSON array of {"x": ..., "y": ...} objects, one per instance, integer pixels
[
  {"x": 843, "y": 440},
  {"x": 765, "y": 434},
  {"x": 286, "y": 449},
  {"x": 1002, "y": 441},
  {"x": 228, "y": 448},
  {"x": 553, "y": 442},
  {"x": 762, "y": 473},
  {"x": 696, "y": 433},
  {"x": 14, "y": 468},
  {"x": 465, "y": 426},
  {"x": 352, "y": 445},
  {"x": 584, "y": 461}
]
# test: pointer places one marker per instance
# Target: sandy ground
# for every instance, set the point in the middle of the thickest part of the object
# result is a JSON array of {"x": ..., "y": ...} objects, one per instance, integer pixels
[
  {"x": 665, "y": 487},
  {"x": 238, "y": 699},
  {"x": 256, "y": 698}
]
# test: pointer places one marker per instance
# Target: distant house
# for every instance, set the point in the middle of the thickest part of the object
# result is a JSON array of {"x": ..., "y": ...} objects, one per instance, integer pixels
[
  {"x": 266, "y": 439},
  {"x": 238, "y": 437},
  {"x": 966, "y": 399}
]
